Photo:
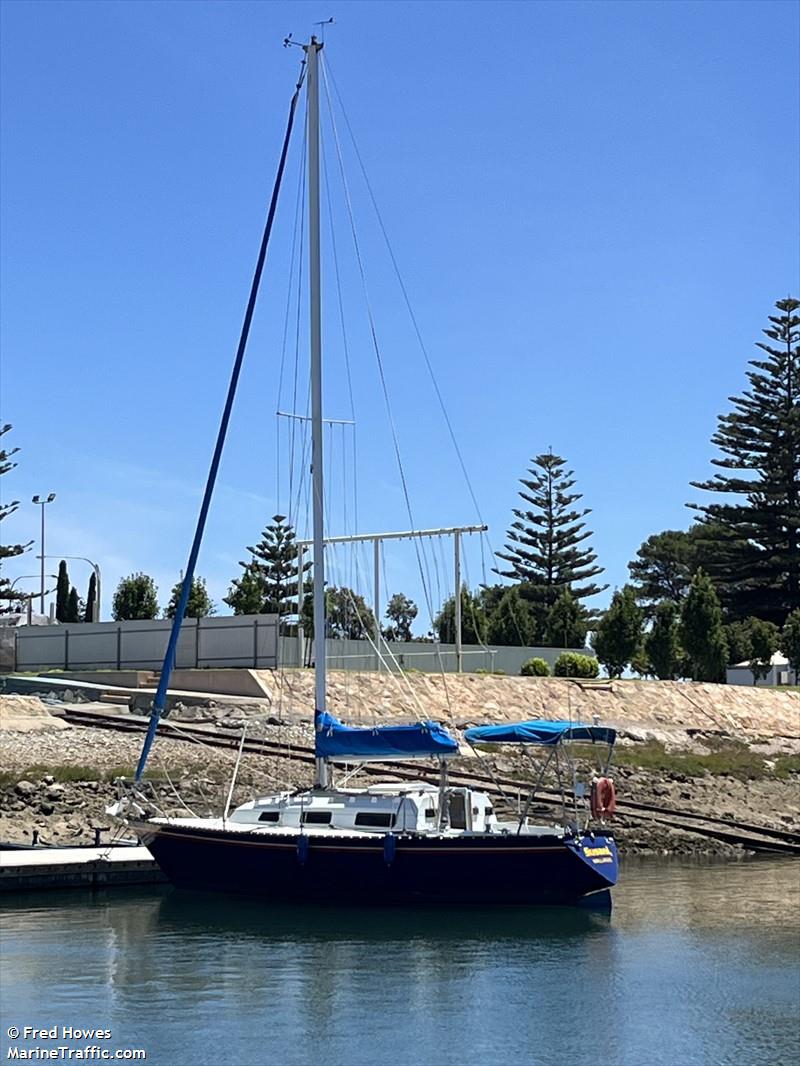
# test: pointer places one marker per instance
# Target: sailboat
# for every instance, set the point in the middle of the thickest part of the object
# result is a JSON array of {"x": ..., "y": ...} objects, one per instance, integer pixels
[{"x": 417, "y": 843}]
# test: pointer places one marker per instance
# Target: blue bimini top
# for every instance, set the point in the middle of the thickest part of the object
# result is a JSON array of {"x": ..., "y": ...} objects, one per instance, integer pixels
[
  {"x": 344, "y": 743},
  {"x": 539, "y": 731}
]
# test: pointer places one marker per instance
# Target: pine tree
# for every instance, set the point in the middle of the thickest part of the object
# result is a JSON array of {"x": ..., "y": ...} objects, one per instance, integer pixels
[
  {"x": 473, "y": 620},
  {"x": 701, "y": 633},
  {"x": 73, "y": 609},
  {"x": 268, "y": 584},
  {"x": 62, "y": 592},
  {"x": 9, "y": 551},
  {"x": 91, "y": 598},
  {"x": 618, "y": 636},
  {"x": 567, "y": 623},
  {"x": 199, "y": 604},
  {"x": 661, "y": 645},
  {"x": 757, "y": 566},
  {"x": 511, "y": 622},
  {"x": 136, "y": 597},
  {"x": 547, "y": 549}
]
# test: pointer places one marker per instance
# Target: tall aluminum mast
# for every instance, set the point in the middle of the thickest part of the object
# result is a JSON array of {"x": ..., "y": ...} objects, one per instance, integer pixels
[{"x": 312, "y": 53}]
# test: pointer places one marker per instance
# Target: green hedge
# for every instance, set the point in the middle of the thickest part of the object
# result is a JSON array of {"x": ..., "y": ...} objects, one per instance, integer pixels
[
  {"x": 535, "y": 668},
  {"x": 571, "y": 664}
]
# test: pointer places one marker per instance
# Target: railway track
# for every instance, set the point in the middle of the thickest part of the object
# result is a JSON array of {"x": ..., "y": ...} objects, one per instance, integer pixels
[{"x": 749, "y": 835}]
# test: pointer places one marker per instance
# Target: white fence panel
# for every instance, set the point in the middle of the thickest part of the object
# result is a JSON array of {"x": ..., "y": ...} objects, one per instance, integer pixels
[{"x": 237, "y": 641}]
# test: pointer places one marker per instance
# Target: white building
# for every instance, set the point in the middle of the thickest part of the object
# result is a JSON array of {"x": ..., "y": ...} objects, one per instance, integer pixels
[{"x": 780, "y": 673}]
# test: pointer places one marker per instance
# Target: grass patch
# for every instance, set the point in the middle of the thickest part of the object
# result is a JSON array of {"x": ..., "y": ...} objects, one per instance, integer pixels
[
  {"x": 786, "y": 765},
  {"x": 729, "y": 757}
]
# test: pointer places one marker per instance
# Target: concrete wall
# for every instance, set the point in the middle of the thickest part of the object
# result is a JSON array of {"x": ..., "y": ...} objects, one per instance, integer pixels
[
  {"x": 248, "y": 641},
  {"x": 414, "y": 655},
  {"x": 235, "y": 641}
]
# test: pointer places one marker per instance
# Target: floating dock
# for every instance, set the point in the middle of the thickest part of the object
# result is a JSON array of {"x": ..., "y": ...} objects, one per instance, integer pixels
[{"x": 24, "y": 869}]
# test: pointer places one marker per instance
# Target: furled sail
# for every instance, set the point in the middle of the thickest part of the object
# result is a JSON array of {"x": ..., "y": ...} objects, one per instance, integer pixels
[
  {"x": 539, "y": 731},
  {"x": 355, "y": 744}
]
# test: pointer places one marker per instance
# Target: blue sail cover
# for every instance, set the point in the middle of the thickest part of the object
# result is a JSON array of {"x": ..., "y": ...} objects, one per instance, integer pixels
[
  {"x": 337, "y": 741},
  {"x": 539, "y": 732}
]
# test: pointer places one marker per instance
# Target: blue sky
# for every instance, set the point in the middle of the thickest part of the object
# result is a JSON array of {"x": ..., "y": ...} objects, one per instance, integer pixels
[{"x": 594, "y": 208}]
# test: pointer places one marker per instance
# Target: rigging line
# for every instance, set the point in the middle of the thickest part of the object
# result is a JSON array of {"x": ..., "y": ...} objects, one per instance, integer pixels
[
  {"x": 293, "y": 427},
  {"x": 342, "y": 321},
  {"x": 225, "y": 754},
  {"x": 476, "y": 628},
  {"x": 172, "y": 646},
  {"x": 436, "y": 575},
  {"x": 342, "y": 318},
  {"x": 296, "y": 234},
  {"x": 326, "y": 67},
  {"x": 418, "y": 548},
  {"x": 386, "y": 594},
  {"x": 400, "y": 673},
  {"x": 372, "y": 327}
]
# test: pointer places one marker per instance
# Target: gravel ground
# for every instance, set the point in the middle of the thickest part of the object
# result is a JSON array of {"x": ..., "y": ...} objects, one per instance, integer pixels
[{"x": 37, "y": 794}]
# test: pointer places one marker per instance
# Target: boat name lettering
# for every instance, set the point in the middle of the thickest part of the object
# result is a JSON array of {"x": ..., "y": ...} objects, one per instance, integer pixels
[{"x": 591, "y": 852}]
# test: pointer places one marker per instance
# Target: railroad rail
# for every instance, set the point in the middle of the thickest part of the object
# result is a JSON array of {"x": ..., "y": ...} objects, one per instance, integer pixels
[{"x": 749, "y": 835}]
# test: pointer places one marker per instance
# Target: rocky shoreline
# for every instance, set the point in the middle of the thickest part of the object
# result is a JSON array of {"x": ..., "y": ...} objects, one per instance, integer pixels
[{"x": 57, "y": 780}]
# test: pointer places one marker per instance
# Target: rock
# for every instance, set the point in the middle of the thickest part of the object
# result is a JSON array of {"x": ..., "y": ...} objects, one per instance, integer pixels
[
  {"x": 46, "y": 808},
  {"x": 48, "y": 779},
  {"x": 68, "y": 696},
  {"x": 25, "y": 789},
  {"x": 55, "y": 792}
]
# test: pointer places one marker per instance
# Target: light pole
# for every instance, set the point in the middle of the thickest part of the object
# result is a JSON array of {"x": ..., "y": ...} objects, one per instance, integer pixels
[
  {"x": 96, "y": 568},
  {"x": 28, "y": 597},
  {"x": 43, "y": 503}
]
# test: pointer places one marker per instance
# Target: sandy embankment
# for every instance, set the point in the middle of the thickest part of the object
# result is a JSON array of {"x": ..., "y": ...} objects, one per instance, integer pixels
[{"x": 35, "y": 749}]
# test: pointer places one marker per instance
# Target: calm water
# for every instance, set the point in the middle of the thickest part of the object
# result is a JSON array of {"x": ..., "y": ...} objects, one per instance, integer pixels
[{"x": 698, "y": 964}]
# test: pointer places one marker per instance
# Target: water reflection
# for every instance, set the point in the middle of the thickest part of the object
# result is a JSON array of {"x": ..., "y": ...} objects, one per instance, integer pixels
[{"x": 698, "y": 963}]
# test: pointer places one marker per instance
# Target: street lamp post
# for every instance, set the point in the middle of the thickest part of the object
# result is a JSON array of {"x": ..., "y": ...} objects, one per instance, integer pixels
[
  {"x": 42, "y": 503},
  {"x": 28, "y": 597},
  {"x": 96, "y": 568}
]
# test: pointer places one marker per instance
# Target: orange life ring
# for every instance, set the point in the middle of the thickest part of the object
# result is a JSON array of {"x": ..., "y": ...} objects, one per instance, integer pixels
[{"x": 603, "y": 797}]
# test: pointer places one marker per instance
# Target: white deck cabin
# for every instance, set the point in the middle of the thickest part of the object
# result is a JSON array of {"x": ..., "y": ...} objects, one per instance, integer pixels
[{"x": 377, "y": 808}]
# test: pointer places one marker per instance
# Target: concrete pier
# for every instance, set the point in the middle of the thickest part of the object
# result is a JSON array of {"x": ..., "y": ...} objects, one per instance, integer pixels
[{"x": 24, "y": 869}]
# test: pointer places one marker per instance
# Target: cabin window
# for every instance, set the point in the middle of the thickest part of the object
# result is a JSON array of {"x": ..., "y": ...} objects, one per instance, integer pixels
[
  {"x": 269, "y": 816},
  {"x": 430, "y": 812},
  {"x": 317, "y": 818},
  {"x": 489, "y": 812},
  {"x": 376, "y": 819}
]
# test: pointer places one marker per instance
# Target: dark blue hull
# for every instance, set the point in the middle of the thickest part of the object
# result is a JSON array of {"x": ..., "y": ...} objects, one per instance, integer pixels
[{"x": 485, "y": 869}]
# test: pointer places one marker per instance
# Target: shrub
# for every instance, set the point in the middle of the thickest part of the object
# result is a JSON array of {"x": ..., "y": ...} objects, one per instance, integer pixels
[
  {"x": 535, "y": 668},
  {"x": 571, "y": 664}
]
